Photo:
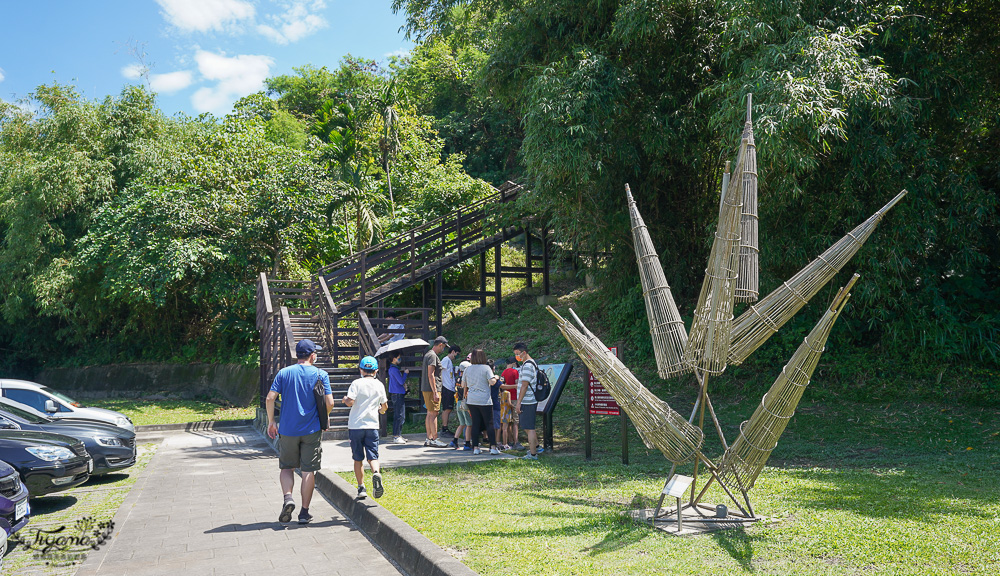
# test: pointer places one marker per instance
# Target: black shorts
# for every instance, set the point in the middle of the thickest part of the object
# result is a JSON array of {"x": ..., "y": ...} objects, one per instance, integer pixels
[{"x": 447, "y": 399}]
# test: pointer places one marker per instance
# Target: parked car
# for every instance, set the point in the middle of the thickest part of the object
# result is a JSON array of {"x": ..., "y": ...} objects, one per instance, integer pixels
[
  {"x": 57, "y": 405},
  {"x": 111, "y": 447},
  {"x": 14, "y": 509},
  {"x": 46, "y": 462}
]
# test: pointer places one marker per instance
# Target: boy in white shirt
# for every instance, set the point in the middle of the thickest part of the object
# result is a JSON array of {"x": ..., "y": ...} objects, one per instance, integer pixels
[{"x": 366, "y": 398}]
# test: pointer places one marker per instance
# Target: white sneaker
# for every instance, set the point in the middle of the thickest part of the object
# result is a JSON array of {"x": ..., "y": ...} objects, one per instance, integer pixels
[
  {"x": 476, "y": 451},
  {"x": 436, "y": 443},
  {"x": 399, "y": 440},
  {"x": 494, "y": 451}
]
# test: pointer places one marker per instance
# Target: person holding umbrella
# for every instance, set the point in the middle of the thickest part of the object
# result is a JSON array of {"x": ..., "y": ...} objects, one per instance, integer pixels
[{"x": 397, "y": 396}]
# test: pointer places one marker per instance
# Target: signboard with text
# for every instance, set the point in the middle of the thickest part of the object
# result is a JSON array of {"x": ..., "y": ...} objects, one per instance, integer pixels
[{"x": 599, "y": 400}]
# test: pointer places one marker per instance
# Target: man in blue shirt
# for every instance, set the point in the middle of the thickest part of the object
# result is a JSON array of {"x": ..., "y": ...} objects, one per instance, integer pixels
[{"x": 299, "y": 430}]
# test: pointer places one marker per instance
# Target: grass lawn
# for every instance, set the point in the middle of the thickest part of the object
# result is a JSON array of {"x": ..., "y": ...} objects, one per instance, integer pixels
[
  {"x": 143, "y": 412},
  {"x": 851, "y": 488}
]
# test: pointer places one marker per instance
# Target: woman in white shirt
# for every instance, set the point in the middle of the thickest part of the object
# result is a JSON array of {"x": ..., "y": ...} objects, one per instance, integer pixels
[{"x": 477, "y": 380}]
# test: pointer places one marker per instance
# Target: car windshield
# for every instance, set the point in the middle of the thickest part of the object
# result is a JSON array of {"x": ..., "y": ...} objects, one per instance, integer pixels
[
  {"x": 61, "y": 396},
  {"x": 23, "y": 414}
]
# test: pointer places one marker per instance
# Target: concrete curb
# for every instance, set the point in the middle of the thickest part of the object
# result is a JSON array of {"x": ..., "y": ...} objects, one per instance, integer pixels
[
  {"x": 202, "y": 425},
  {"x": 407, "y": 547}
]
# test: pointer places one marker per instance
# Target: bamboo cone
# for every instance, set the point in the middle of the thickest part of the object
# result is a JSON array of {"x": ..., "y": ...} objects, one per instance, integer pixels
[
  {"x": 762, "y": 320},
  {"x": 709, "y": 337},
  {"x": 747, "y": 286},
  {"x": 744, "y": 460},
  {"x": 665, "y": 325},
  {"x": 659, "y": 425}
]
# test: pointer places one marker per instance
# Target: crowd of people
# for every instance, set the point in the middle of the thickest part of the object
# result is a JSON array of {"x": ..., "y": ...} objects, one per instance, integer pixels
[{"x": 487, "y": 407}]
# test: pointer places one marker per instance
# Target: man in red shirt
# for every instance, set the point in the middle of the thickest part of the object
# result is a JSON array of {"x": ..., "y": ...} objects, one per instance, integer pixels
[{"x": 510, "y": 383}]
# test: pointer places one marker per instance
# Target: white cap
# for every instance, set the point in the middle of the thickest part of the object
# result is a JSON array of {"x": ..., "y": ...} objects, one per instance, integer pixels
[{"x": 465, "y": 364}]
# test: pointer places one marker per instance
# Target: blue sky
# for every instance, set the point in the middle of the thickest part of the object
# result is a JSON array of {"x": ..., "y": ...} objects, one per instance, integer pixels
[{"x": 198, "y": 55}]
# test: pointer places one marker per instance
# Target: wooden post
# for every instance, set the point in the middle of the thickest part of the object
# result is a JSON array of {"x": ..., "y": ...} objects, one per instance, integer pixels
[
  {"x": 458, "y": 234},
  {"x": 363, "y": 274},
  {"x": 496, "y": 278},
  {"x": 413, "y": 257},
  {"x": 586, "y": 426},
  {"x": 482, "y": 280},
  {"x": 624, "y": 418},
  {"x": 439, "y": 300},
  {"x": 527, "y": 257},
  {"x": 545, "y": 261}
]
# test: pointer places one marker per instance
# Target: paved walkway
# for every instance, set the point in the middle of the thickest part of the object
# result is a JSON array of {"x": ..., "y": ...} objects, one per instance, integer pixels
[
  {"x": 337, "y": 454},
  {"x": 207, "y": 505}
]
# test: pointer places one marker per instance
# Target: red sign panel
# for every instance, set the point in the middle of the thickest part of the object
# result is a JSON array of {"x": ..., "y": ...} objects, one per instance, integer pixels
[{"x": 599, "y": 400}]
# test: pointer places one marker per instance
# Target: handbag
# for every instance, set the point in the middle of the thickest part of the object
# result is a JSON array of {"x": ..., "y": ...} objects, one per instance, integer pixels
[{"x": 319, "y": 393}]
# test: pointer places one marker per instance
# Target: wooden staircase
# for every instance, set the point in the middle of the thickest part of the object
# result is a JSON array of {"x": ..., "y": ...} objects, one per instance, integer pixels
[{"x": 332, "y": 309}]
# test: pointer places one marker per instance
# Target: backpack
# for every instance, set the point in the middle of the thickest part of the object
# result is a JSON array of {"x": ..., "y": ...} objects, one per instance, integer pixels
[{"x": 542, "y": 387}]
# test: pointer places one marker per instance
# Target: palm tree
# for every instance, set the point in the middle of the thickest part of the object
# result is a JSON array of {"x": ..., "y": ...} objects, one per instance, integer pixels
[{"x": 386, "y": 103}]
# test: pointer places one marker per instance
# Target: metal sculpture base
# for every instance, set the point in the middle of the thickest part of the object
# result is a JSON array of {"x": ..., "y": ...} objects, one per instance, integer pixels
[{"x": 695, "y": 520}]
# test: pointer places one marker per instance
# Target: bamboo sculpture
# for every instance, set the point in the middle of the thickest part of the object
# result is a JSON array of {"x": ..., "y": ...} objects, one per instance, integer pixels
[
  {"x": 763, "y": 320},
  {"x": 747, "y": 289},
  {"x": 708, "y": 340},
  {"x": 659, "y": 425},
  {"x": 716, "y": 340},
  {"x": 743, "y": 461},
  {"x": 665, "y": 325}
]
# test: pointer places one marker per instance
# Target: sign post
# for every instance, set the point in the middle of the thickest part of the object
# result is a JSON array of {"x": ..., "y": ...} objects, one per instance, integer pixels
[
  {"x": 676, "y": 487},
  {"x": 601, "y": 402}
]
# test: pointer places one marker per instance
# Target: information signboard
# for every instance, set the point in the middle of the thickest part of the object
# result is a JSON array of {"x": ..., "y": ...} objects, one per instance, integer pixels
[{"x": 599, "y": 400}]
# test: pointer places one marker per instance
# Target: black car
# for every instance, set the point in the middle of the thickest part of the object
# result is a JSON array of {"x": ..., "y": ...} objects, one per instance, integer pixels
[
  {"x": 14, "y": 509},
  {"x": 111, "y": 447},
  {"x": 46, "y": 462}
]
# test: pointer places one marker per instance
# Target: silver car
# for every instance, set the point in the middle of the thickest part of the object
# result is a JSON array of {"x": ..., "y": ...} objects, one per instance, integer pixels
[{"x": 58, "y": 405}]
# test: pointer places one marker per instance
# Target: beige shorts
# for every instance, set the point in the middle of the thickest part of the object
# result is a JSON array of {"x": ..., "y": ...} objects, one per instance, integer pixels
[
  {"x": 302, "y": 452},
  {"x": 430, "y": 403}
]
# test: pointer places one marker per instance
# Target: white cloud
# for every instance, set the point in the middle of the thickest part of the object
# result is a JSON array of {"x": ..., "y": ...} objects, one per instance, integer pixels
[
  {"x": 298, "y": 21},
  {"x": 401, "y": 53},
  {"x": 1, "y": 75},
  {"x": 170, "y": 82},
  {"x": 133, "y": 71},
  {"x": 206, "y": 15},
  {"x": 235, "y": 77}
]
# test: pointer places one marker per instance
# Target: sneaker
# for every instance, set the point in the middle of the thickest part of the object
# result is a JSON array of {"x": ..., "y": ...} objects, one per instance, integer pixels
[
  {"x": 517, "y": 446},
  {"x": 529, "y": 457},
  {"x": 377, "y": 485},
  {"x": 304, "y": 516},
  {"x": 466, "y": 448},
  {"x": 446, "y": 432},
  {"x": 427, "y": 441},
  {"x": 494, "y": 451},
  {"x": 505, "y": 447},
  {"x": 362, "y": 494},
  {"x": 453, "y": 444},
  {"x": 540, "y": 449},
  {"x": 399, "y": 440},
  {"x": 436, "y": 443},
  {"x": 476, "y": 451},
  {"x": 286, "y": 512}
]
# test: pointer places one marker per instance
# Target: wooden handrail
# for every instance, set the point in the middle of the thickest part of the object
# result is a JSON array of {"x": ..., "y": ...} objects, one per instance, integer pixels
[
  {"x": 286, "y": 324},
  {"x": 366, "y": 335},
  {"x": 326, "y": 295},
  {"x": 266, "y": 293}
]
